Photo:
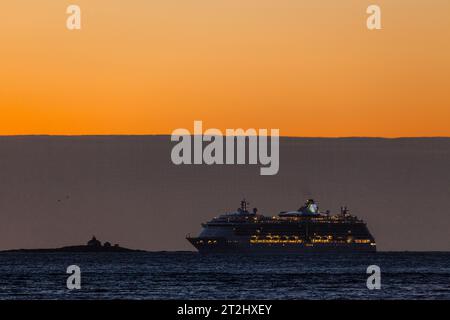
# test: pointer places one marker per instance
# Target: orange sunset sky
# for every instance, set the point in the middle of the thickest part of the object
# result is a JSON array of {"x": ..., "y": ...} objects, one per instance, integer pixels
[{"x": 309, "y": 68}]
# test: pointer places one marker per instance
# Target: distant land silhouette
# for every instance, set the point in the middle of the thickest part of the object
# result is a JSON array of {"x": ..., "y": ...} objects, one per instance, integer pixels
[
  {"x": 92, "y": 245},
  {"x": 60, "y": 190}
]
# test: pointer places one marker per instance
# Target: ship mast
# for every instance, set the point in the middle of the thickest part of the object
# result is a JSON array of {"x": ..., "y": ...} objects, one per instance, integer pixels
[{"x": 244, "y": 205}]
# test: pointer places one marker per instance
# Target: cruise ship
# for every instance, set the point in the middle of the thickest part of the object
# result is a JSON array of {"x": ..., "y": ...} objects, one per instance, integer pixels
[{"x": 301, "y": 231}]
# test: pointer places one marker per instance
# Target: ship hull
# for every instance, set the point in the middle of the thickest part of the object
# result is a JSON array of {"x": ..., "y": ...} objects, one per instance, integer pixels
[{"x": 222, "y": 245}]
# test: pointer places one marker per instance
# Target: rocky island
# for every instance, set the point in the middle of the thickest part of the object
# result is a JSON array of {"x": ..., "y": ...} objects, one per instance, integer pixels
[{"x": 92, "y": 245}]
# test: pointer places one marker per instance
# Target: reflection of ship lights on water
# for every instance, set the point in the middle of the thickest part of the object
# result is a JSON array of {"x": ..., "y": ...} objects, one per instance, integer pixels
[{"x": 304, "y": 230}]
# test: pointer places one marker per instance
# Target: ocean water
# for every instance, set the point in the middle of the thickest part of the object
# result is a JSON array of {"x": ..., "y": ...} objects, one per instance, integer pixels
[{"x": 186, "y": 275}]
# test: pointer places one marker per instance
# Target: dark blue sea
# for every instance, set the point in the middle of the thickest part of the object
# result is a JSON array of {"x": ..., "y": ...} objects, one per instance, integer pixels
[{"x": 186, "y": 275}]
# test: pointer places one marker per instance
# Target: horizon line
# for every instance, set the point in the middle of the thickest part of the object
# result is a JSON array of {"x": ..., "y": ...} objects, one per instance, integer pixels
[{"x": 168, "y": 135}]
